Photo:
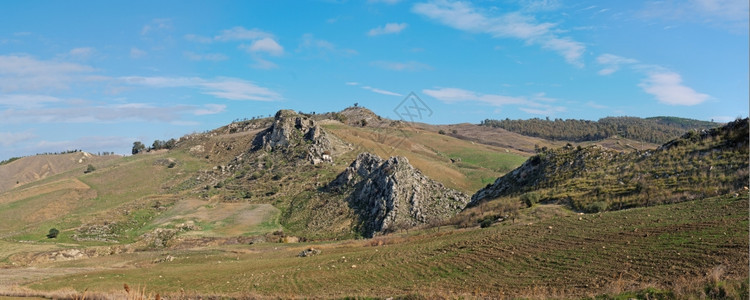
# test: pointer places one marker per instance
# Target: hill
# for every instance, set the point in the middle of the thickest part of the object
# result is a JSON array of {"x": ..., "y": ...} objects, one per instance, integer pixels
[
  {"x": 23, "y": 170},
  {"x": 385, "y": 202},
  {"x": 696, "y": 165},
  {"x": 652, "y": 130}
]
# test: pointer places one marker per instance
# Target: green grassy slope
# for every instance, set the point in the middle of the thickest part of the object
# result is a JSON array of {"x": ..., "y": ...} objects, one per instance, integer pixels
[{"x": 669, "y": 247}]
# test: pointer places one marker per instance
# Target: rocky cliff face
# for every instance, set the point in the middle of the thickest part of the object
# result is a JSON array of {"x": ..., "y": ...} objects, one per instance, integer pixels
[
  {"x": 291, "y": 130},
  {"x": 391, "y": 194}
]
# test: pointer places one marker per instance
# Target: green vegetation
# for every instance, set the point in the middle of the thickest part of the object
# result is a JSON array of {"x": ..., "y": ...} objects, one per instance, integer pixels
[
  {"x": 53, "y": 232},
  {"x": 657, "y": 130},
  {"x": 593, "y": 179},
  {"x": 9, "y": 160}
]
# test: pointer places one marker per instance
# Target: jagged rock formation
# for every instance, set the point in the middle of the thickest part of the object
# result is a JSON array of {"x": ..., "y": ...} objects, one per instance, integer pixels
[
  {"x": 290, "y": 129},
  {"x": 391, "y": 194},
  {"x": 697, "y": 165}
]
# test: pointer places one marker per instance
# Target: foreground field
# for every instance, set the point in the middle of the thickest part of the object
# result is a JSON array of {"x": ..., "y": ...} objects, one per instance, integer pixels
[{"x": 689, "y": 249}]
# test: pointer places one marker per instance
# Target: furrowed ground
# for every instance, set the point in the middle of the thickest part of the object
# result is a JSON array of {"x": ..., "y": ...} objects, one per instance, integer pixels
[{"x": 678, "y": 247}]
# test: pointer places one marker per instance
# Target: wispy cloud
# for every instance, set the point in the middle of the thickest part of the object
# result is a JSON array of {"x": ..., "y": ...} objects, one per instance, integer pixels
[
  {"x": 374, "y": 90},
  {"x": 389, "y": 2},
  {"x": 241, "y": 34},
  {"x": 137, "y": 53},
  {"x": 401, "y": 66},
  {"x": 664, "y": 84},
  {"x": 25, "y": 100},
  {"x": 322, "y": 47},
  {"x": 205, "y": 56},
  {"x": 11, "y": 138},
  {"x": 389, "y": 28},
  {"x": 25, "y": 73},
  {"x": 156, "y": 25},
  {"x": 731, "y": 14},
  {"x": 81, "y": 53},
  {"x": 225, "y": 88},
  {"x": 464, "y": 16},
  {"x": 612, "y": 63},
  {"x": 210, "y": 109},
  {"x": 536, "y": 104},
  {"x": 380, "y": 91}
]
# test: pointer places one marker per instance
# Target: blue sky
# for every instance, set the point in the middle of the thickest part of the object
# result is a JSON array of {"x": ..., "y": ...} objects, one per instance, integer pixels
[{"x": 98, "y": 75}]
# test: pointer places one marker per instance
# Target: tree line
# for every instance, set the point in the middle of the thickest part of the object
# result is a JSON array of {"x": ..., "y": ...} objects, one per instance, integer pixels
[
  {"x": 656, "y": 130},
  {"x": 139, "y": 147}
]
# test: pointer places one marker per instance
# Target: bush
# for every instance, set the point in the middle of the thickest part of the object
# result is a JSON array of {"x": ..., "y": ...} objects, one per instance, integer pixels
[
  {"x": 53, "y": 232},
  {"x": 441, "y": 131},
  {"x": 530, "y": 198},
  {"x": 485, "y": 223},
  {"x": 90, "y": 168}
]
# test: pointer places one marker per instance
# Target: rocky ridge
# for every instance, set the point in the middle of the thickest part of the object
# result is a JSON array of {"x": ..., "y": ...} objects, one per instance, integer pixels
[
  {"x": 290, "y": 129},
  {"x": 391, "y": 194}
]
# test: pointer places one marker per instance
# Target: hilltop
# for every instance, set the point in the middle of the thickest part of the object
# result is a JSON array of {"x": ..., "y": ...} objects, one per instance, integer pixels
[{"x": 22, "y": 170}]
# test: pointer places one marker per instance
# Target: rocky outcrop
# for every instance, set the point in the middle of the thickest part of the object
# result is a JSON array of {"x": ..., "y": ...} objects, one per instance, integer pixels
[
  {"x": 292, "y": 130},
  {"x": 391, "y": 194}
]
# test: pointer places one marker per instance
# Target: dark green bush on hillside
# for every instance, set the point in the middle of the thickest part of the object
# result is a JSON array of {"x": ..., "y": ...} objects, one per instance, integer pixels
[{"x": 53, "y": 233}]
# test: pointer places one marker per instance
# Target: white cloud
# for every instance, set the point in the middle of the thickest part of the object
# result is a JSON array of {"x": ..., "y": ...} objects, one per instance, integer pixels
[
  {"x": 613, "y": 62},
  {"x": 401, "y": 66},
  {"x": 380, "y": 91},
  {"x": 10, "y": 138},
  {"x": 664, "y": 84},
  {"x": 210, "y": 109},
  {"x": 240, "y": 34},
  {"x": 225, "y": 88},
  {"x": 137, "y": 53},
  {"x": 352, "y": 83},
  {"x": 267, "y": 45},
  {"x": 667, "y": 87},
  {"x": 25, "y": 73},
  {"x": 389, "y": 28},
  {"x": 463, "y": 16},
  {"x": 81, "y": 53},
  {"x": 205, "y": 57}
]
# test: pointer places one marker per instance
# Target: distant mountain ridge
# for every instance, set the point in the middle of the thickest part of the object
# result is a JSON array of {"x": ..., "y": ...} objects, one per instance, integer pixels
[{"x": 653, "y": 130}]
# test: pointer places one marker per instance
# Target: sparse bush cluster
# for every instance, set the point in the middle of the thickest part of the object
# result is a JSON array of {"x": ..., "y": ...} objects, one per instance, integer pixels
[{"x": 139, "y": 147}]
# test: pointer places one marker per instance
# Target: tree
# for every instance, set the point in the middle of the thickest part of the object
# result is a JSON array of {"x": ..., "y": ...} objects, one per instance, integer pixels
[
  {"x": 53, "y": 232},
  {"x": 138, "y": 147}
]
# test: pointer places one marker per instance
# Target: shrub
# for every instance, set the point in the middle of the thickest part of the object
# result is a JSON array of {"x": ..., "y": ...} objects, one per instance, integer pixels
[
  {"x": 441, "y": 131},
  {"x": 90, "y": 168},
  {"x": 530, "y": 198},
  {"x": 485, "y": 223},
  {"x": 53, "y": 232}
]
